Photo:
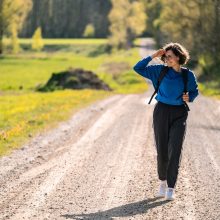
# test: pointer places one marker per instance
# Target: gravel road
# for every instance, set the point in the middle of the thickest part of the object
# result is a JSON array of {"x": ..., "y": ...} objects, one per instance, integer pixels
[{"x": 101, "y": 164}]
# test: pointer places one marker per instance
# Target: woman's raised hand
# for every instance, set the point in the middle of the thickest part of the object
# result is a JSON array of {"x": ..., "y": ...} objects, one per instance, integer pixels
[{"x": 158, "y": 53}]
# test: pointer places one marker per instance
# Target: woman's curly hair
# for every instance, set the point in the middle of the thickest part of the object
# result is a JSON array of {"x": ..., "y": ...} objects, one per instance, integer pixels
[{"x": 179, "y": 51}]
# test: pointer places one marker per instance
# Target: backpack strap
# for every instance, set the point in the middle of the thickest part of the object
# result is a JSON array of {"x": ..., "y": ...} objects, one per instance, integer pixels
[
  {"x": 162, "y": 74},
  {"x": 184, "y": 72},
  {"x": 185, "y": 78}
]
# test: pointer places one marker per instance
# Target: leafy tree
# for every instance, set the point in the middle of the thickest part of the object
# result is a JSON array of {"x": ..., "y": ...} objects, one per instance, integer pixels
[
  {"x": 12, "y": 12},
  {"x": 194, "y": 23},
  {"x": 127, "y": 21},
  {"x": 14, "y": 39}
]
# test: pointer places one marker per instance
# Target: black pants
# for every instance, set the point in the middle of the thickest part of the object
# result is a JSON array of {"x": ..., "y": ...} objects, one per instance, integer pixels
[{"x": 169, "y": 123}]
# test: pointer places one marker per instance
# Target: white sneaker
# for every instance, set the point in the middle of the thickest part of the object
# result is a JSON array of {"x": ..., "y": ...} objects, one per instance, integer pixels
[
  {"x": 162, "y": 189},
  {"x": 169, "y": 194}
]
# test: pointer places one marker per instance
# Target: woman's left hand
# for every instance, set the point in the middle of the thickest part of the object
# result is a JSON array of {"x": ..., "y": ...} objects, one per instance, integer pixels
[{"x": 186, "y": 97}]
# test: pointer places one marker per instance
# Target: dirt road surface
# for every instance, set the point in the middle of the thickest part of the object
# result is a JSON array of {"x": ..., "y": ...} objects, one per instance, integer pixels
[{"x": 101, "y": 164}]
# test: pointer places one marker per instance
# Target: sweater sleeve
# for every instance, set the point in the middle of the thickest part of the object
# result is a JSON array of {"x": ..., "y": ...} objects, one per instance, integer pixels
[
  {"x": 192, "y": 87},
  {"x": 151, "y": 72}
]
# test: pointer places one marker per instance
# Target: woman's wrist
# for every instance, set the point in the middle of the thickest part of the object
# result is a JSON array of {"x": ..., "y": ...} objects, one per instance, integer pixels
[{"x": 153, "y": 56}]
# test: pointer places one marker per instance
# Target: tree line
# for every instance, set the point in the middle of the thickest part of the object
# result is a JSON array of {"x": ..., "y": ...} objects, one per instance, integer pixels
[{"x": 67, "y": 18}]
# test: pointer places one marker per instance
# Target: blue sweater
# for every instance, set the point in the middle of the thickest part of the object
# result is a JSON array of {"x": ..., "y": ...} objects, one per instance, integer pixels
[{"x": 172, "y": 86}]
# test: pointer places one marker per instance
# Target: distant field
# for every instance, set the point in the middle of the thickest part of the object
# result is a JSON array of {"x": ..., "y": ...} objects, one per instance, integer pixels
[
  {"x": 24, "y": 111},
  {"x": 58, "y": 41},
  {"x": 30, "y": 70}
]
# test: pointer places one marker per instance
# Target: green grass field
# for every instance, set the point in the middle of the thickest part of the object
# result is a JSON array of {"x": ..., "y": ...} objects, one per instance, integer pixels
[{"x": 24, "y": 112}]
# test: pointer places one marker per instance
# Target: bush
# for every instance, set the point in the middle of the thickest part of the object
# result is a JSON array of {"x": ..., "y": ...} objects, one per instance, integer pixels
[
  {"x": 89, "y": 31},
  {"x": 37, "y": 43}
]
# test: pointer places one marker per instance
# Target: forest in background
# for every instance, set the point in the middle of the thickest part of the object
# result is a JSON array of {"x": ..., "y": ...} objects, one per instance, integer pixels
[{"x": 67, "y": 18}]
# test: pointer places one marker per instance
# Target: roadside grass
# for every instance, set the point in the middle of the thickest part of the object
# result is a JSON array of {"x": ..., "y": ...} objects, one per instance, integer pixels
[
  {"x": 210, "y": 88},
  {"x": 25, "y": 112},
  {"x": 22, "y": 116}
]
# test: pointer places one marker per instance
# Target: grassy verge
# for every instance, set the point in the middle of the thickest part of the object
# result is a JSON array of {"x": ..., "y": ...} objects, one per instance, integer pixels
[
  {"x": 25, "y": 114},
  {"x": 211, "y": 89}
]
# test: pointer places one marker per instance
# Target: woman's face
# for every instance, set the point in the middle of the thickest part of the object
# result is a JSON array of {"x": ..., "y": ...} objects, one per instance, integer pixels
[{"x": 171, "y": 59}]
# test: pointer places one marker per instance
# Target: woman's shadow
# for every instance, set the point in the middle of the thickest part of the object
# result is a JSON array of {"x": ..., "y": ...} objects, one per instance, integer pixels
[{"x": 131, "y": 209}]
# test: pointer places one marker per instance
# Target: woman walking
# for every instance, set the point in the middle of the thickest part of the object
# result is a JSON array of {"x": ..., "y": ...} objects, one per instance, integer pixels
[{"x": 171, "y": 111}]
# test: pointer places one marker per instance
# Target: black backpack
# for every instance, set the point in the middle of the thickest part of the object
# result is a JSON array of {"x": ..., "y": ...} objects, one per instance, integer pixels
[{"x": 184, "y": 73}]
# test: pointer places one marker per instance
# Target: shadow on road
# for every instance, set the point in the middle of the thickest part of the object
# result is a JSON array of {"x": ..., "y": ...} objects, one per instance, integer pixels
[{"x": 131, "y": 209}]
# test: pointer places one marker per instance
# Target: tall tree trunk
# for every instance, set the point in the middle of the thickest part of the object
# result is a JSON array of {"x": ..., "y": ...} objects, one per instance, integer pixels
[
  {"x": 1, "y": 26},
  {"x": 1, "y": 40},
  {"x": 217, "y": 32}
]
